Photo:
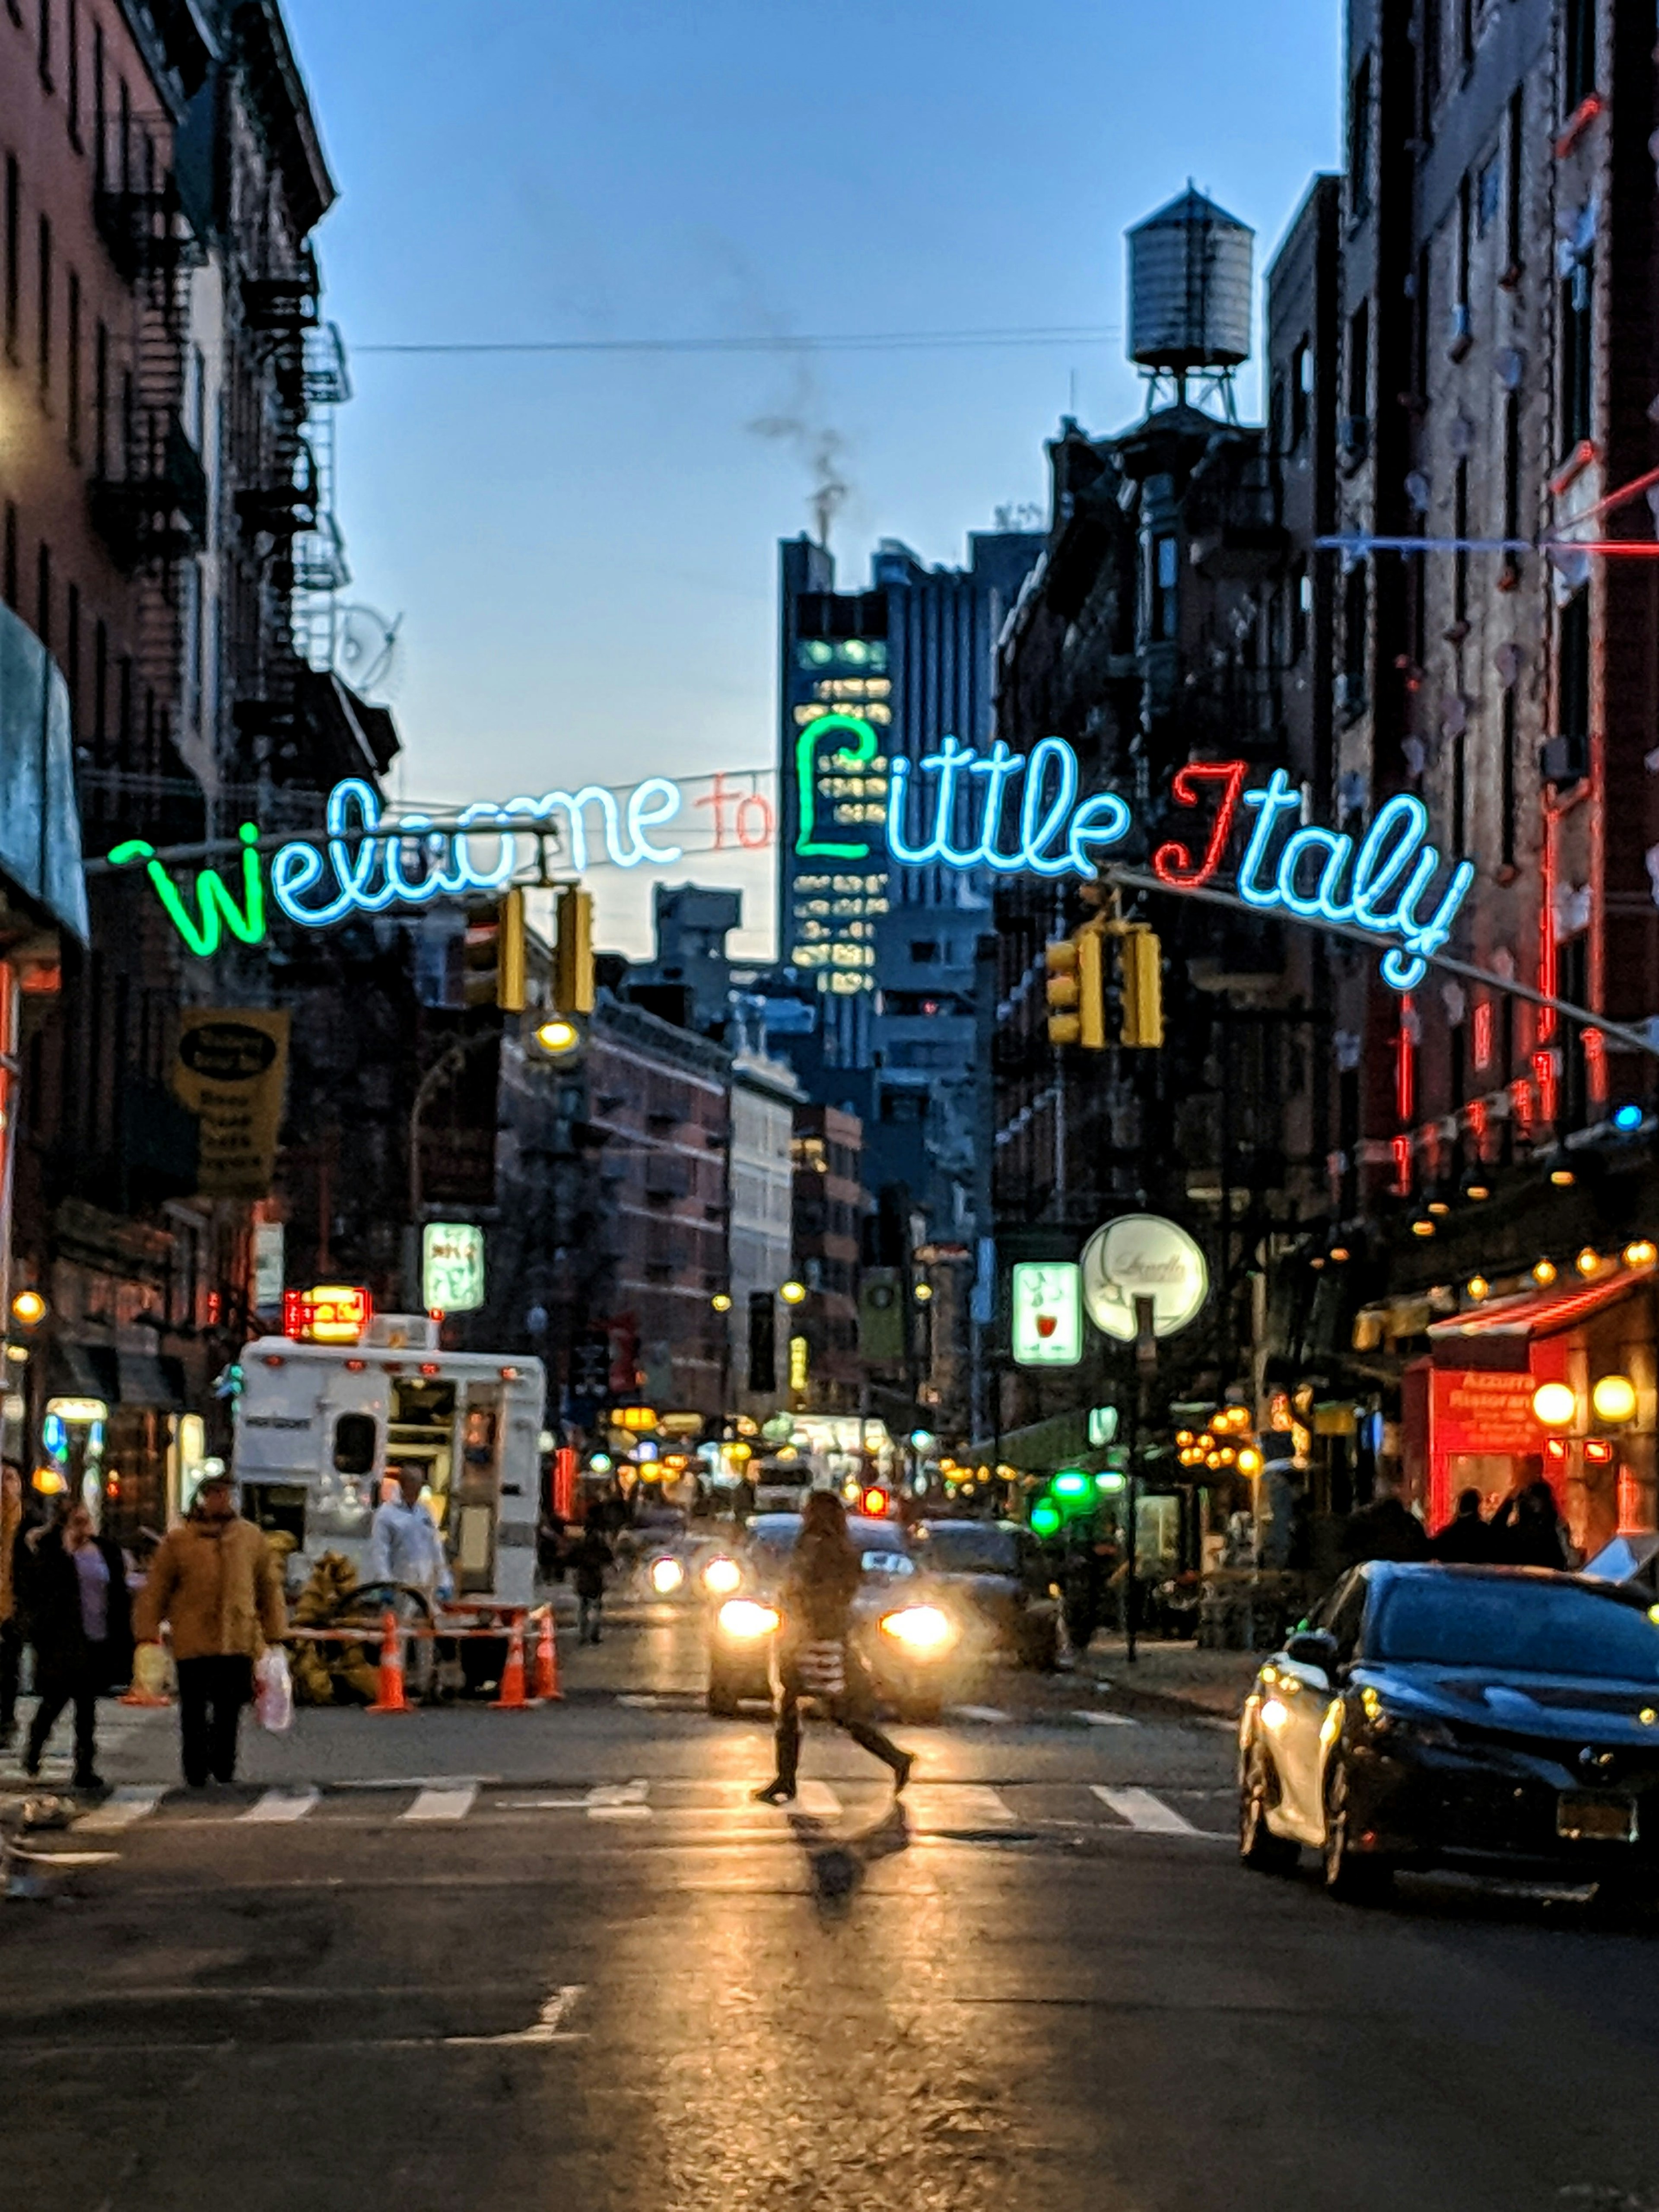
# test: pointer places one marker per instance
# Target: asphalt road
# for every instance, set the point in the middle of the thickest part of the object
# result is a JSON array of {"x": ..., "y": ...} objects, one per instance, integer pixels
[{"x": 470, "y": 1960}]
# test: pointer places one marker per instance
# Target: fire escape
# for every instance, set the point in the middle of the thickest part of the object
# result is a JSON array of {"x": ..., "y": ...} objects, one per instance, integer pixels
[
  {"x": 277, "y": 503},
  {"x": 149, "y": 495}
]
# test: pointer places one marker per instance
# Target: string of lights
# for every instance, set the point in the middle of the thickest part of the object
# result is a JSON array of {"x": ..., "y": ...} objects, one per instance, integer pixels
[{"x": 760, "y": 341}]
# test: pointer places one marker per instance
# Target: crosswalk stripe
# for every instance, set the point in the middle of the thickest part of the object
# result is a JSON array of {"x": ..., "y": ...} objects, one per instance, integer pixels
[
  {"x": 991, "y": 1715},
  {"x": 442, "y": 1804},
  {"x": 130, "y": 1802},
  {"x": 284, "y": 1804},
  {"x": 1093, "y": 1717},
  {"x": 958, "y": 1805},
  {"x": 1141, "y": 1809}
]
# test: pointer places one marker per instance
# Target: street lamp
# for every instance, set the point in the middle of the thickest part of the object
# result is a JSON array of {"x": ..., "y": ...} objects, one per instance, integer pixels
[
  {"x": 1614, "y": 1400},
  {"x": 792, "y": 1293},
  {"x": 28, "y": 1309},
  {"x": 1555, "y": 1404},
  {"x": 558, "y": 1035}
]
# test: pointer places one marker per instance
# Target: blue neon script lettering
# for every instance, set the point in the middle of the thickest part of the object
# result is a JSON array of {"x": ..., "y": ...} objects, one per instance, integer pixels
[
  {"x": 1386, "y": 886},
  {"x": 1048, "y": 811},
  {"x": 409, "y": 863}
]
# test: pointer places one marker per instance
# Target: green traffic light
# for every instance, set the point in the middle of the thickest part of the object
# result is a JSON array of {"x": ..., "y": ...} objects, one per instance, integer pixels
[
  {"x": 1109, "y": 1482},
  {"x": 1071, "y": 1484},
  {"x": 1045, "y": 1518}
]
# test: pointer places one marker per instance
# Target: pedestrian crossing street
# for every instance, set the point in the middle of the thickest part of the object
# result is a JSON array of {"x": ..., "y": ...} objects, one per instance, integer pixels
[{"x": 671, "y": 1810}]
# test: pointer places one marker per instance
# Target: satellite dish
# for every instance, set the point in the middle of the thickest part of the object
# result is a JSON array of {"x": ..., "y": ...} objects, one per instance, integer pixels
[{"x": 366, "y": 653}]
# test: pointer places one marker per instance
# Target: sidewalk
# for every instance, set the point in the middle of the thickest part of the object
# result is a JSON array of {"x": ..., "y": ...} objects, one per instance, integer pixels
[{"x": 1213, "y": 1681}]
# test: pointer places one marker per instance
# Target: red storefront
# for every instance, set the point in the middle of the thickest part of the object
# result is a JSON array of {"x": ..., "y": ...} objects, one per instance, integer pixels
[{"x": 1469, "y": 1416}]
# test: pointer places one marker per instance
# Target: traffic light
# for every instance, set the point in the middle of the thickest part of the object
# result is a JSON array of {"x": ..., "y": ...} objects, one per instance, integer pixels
[
  {"x": 573, "y": 954},
  {"x": 1077, "y": 989},
  {"x": 493, "y": 954},
  {"x": 1143, "y": 989}
]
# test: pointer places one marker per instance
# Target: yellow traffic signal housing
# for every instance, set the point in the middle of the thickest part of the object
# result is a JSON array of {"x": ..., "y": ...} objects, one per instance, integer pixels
[
  {"x": 1077, "y": 989},
  {"x": 1143, "y": 990},
  {"x": 510, "y": 958},
  {"x": 1064, "y": 990},
  {"x": 573, "y": 956}
]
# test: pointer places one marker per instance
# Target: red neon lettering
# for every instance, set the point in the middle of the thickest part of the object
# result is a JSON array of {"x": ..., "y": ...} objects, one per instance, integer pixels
[
  {"x": 1521, "y": 1103},
  {"x": 752, "y": 841},
  {"x": 718, "y": 799},
  {"x": 1474, "y": 1114},
  {"x": 1596, "y": 1064},
  {"x": 1405, "y": 1064},
  {"x": 1402, "y": 1167},
  {"x": 1483, "y": 1029},
  {"x": 1172, "y": 863},
  {"x": 1544, "y": 1074}
]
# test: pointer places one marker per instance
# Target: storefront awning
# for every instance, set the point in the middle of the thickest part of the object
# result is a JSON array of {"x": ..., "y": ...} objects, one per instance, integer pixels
[
  {"x": 152, "y": 1382},
  {"x": 1061, "y": 1441},
  {"x": 1498, "y": 1334},
  {"x": 80, "y": 1370}
]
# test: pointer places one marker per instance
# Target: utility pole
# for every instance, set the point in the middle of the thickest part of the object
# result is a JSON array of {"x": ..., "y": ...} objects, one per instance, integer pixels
[{"x": 1145, "y": 1369}]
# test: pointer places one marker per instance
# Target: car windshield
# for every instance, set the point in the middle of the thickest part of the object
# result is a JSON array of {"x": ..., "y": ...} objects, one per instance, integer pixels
[
  {"x": 880, "y": 1545},
  {"x": 963, "y": 1551},
  {"x": 1518, "y": 1628}
]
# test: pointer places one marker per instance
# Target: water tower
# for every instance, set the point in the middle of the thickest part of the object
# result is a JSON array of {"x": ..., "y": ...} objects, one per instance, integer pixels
[{"x": 1191, "y": 280}]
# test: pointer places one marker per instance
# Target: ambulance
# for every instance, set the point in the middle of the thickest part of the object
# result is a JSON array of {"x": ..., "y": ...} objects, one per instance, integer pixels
[{"x": 344, "y": 1395}]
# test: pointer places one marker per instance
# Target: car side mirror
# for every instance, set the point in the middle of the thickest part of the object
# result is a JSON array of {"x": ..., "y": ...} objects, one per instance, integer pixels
[{"x": 1312, "y": 1647}]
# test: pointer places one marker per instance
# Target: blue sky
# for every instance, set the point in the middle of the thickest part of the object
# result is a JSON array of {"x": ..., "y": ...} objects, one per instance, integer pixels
[{"x": 583, "y": 550}]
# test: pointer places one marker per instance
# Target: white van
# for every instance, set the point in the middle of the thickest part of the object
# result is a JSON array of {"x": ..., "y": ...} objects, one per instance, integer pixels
[{"x": 318, "y": 1425}]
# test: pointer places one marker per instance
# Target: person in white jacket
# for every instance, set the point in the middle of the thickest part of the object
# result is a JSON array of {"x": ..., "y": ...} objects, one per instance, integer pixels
[{"x": 405, "y": 1547}]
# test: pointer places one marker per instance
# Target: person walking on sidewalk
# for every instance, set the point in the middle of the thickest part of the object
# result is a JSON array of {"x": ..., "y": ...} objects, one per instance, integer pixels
[
  {"x": 217, "y": 1581},
  {"x": 11, "y": 1631},
  {"x": 591, "y": 1556},
  {"x": 72, "y": 1587},
  {"x": 813, "y": 1657}
]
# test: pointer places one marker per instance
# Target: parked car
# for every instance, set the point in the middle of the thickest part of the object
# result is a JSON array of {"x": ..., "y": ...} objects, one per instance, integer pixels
[
  {"x": 1476, "y": 1717},
  {"x": 905, "y": 1640},
  {"x": 995, "y": 1575}
]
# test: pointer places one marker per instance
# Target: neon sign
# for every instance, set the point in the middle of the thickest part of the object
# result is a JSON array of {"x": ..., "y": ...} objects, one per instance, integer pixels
[{"x": 1385, "y": 884}]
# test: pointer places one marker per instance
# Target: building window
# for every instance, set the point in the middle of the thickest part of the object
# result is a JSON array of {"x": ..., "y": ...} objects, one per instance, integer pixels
[
  {"x": 1433, "y": 40},
  {"x": 1514, "y": 187},
  {"x": 1573, "y": 684},
  {"x": 1488, "y": 196},
  {"x": 46, "y": 43},
  {"x": 44, "y": 361},
  {"x": 1166, "y": 581},
  {"x": 1579, "y": 58},
  {"x": 9, "y": 556},
  {"x": 72, "y": 653},
  {"x": 100, "y": 106},
  {"x": 1359, "y": 361},
  {"x": 1356, "y": 606},
  {"x": 72, "y": 366},
  {"x": 14, "y": 252},
  {"x": 1508, "y": 794},
  {"x": 1461, "y": 557},
  {"x": 1466, "y": 33},
  {"x": 1578, "y": 353},
  {"x": 1302, "y": 599},
  {"x": 100, "y": 401},
  {"x": 72, "y": 65},
  {"x": 1302, "y": 384},
  {"x": 100, "y": 688},
  {"x": 1359, "y": 140}
]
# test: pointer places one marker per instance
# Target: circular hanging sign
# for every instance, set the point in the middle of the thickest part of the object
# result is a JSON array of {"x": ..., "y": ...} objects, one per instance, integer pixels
[{"x": 1141, "y": 1256}]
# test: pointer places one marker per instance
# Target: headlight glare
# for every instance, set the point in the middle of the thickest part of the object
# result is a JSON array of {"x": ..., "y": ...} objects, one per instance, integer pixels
[
  {"x": 721, "y": 1577},
  {"x": 666, "y": 1576},
  {"x": 921, "y": 1628},
  {"x": 745, "y": 1622}
]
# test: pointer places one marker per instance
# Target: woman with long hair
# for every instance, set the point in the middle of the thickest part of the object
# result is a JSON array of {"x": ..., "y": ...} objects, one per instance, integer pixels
[{"x": 813, "y": 1656}]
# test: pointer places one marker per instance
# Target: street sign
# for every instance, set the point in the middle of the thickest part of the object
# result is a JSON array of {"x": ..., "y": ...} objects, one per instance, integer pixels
[
  {"x": 451, "y": 1267},
  {"x": 1142, "y": 1255},
  {"x": 1102, "y": 1426},
  {"x": 1047, "y": 1327}
]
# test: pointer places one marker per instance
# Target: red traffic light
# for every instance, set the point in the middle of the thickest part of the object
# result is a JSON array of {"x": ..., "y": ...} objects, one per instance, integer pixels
[{"x": 876, "y": 1503}]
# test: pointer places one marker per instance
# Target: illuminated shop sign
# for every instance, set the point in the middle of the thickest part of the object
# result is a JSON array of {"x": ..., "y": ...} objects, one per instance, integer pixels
[{"x": 1391, "y": 883}]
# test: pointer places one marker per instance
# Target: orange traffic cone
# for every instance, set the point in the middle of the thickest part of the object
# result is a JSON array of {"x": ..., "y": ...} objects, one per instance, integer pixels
[
  {"x": 390, "y": 1699},
  {"x": 547, "y": 1661},
  {"x": 513, "y": 1699}
]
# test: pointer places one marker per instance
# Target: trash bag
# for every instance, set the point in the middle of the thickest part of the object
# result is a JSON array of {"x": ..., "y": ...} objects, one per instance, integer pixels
[
  {"x": 273, "y": 1692},
  {"x": 150, "y": 1671}
]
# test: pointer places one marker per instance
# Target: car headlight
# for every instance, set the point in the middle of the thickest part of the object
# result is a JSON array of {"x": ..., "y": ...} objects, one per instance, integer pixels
[
  {"x": 666, "y": 1576},
  {"x": 921, "y": 1628},
  {"x": 721, "y": 1577},
  {"x": 745, "y": 1622}
]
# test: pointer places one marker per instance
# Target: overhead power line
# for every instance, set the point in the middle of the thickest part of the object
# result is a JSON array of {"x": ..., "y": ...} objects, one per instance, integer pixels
[{"x": 851, "y": 342}]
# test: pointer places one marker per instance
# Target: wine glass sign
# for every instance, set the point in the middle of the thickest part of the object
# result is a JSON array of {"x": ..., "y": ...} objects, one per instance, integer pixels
[{"x": 1048, "y": 1313}]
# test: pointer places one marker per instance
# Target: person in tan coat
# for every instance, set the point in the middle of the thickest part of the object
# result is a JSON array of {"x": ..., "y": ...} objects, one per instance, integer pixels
[{"x": 217, "y": 1583}]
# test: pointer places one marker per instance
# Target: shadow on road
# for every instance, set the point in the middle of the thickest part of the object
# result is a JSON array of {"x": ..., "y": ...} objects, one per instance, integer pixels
[{"x": 838, "y": 1867}]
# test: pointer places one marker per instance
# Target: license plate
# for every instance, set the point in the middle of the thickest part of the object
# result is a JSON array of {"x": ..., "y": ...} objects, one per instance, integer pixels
[{"x": 1596, "y": 1820}]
